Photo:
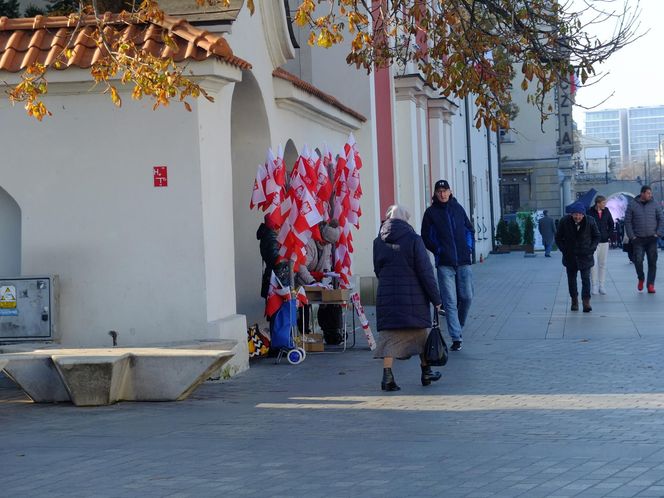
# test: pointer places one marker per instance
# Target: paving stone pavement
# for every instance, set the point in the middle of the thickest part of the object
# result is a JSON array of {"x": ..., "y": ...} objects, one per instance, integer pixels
[{"x": 541, "y": 402}]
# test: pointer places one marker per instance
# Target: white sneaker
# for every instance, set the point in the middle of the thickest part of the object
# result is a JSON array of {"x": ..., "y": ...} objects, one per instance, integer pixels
[
  {"x": 594, "y": 290},
  {"x": 602, "y": 290}
]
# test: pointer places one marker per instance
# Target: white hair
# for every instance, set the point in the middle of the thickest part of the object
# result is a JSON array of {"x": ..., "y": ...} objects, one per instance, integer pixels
[{"x": 397, "y": 212}]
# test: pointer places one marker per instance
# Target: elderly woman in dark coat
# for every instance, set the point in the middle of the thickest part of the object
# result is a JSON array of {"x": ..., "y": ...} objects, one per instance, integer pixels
[{"x": 406, "y": 289}]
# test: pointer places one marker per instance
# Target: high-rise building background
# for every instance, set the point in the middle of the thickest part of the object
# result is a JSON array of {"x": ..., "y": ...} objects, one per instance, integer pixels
[{"x": 634, "y": 134}]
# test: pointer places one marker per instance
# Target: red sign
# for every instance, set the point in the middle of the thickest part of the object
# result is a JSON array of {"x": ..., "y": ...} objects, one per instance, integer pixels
[{"x": 160, "y": 174}]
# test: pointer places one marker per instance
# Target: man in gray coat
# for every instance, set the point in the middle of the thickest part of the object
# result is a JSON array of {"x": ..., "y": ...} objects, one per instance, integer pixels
[
  {"x": 547, "y": 230},
  {"x": 643, "y": 225}
]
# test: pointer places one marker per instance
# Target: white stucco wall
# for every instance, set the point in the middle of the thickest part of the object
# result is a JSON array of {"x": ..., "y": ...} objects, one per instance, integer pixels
[
  {"x": 130, "y": 256},
  {"x": 10, "y": 235},
  {"x": 304, "y": 119},
  {"x": 531, "y": 140}
]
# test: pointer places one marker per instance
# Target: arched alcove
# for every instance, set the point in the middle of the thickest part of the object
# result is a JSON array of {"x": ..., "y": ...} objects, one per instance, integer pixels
[
  {"x": 10, "y": 235},
  {"x": 290, "y": 155},
  {"x": 250, "y": 140}
]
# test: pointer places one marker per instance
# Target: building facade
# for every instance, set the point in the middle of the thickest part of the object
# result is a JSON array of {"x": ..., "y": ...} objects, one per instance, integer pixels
[
  {"x": 536, "y": 156},
  {"x": 181, "y": 262},
  {"x": 611, "y": 126},
  {"x": 634, "y": 134}
]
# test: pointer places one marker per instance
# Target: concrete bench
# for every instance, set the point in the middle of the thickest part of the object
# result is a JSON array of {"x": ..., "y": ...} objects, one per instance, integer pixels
[
  {"x": 35, "y": 373},
  {"x": 101, "y": 376}
]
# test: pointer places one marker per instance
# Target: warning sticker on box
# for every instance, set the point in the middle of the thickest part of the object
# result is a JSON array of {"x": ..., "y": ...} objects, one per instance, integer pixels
[{"x": 7, "y": 297}]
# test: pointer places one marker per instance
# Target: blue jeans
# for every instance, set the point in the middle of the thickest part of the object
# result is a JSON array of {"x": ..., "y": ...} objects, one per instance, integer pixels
[
  {"x": 456, "y": 289},
  {"x": 645, "y": 246},
  {"x": 547, "y": 248}
]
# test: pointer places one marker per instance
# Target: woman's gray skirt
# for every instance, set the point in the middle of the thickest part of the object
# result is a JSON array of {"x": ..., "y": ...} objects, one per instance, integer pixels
[{"x": 400, "y": 343}]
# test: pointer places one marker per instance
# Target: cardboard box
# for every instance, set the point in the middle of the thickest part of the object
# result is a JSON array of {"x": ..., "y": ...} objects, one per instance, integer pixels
[
  {"x": 335, "y": 295},
  {"x": 313, "y": 292},
  {"x": 314, "y": 343}
]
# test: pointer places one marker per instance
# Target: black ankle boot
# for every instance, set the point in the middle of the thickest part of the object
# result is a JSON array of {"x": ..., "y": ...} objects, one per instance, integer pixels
[
  {"x": 428, "y": 376},
  {"x": 575, "y": 304},
  {"x": 388, "y": 383}
]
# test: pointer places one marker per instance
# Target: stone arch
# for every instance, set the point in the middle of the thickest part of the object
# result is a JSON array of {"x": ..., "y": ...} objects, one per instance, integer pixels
[
  {"x": 10, "y": 235},
  {"x": 250, "y": 140}
]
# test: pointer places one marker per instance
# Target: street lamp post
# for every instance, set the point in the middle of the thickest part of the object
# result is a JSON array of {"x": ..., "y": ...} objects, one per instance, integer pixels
[{"x": 606, "y": 169}]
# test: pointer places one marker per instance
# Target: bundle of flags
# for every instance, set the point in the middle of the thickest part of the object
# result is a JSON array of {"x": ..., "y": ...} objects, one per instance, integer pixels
[
  {"x": 347, "y": 210},
  {"x": 269, "y": 187},
  {"x": 296, "y": 208},
  {"x": 305, "y": 211},
  {"x": 278, "y": 294}
]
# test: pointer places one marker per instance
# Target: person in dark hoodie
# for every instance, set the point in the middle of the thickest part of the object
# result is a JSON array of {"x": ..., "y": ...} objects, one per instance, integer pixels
[
  {"x": 269, "y": 247},
  {"x": 449, "y": 235},
  {"x": 643, "y": 225},
  {"x": 604, "y": 222},
  {"x": 577, "y": 238},
  {"x": 406, "y": 290}
]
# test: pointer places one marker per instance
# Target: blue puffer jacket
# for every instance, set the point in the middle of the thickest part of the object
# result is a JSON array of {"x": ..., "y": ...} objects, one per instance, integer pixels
[
  {"x": 406, "y": 284},
  {"x": 448, "y": 233}
]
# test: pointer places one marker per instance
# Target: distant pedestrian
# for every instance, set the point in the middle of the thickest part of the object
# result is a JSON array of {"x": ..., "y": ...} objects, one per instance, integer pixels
[
  {"x": 577, "y": 238},
  {"x": 406, "y": 290},
  {"x": 547, "y": 230},
  {"x": 620, "y": 232},
  {"x": 604, "y": 222},
  {"x": 449, "y": 235},
  {"x": 643, "y": 225}
]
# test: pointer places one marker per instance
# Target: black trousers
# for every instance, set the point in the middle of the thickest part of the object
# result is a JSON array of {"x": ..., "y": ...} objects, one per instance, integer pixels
[
  {"x": 585, "y": 282},
  {"x": 647, "y": 246}
]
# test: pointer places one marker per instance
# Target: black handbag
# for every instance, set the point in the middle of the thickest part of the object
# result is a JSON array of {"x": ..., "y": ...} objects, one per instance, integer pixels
[{"x": 435, "y": 350}]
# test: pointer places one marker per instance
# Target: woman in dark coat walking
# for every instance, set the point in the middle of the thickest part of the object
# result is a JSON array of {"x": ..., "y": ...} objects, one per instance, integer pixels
[
  {"x": 406, "y": 289},
  {"x": 577, "y": 238}
]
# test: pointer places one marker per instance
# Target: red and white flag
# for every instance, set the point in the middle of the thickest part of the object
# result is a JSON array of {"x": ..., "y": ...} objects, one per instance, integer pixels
[
  {"x": 277, "y": 294},
  {"x": 324, "y": 184},
  {"x": 277, "y": 167},
  {"x": 304, "y": 172},
  {"x": 258, "y": 197},
  {"x": 301, "y": 296}
]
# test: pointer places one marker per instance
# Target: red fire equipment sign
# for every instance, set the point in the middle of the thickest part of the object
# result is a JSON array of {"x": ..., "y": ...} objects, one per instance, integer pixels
[{"x": 160, "y": 174}]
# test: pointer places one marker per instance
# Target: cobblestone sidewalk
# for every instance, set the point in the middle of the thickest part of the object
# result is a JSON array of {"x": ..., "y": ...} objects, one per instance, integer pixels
[{"x": 540, "y": 402}]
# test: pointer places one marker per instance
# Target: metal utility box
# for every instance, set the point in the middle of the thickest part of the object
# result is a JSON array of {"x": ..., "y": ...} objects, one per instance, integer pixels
[{"x": 27, "y": 308}]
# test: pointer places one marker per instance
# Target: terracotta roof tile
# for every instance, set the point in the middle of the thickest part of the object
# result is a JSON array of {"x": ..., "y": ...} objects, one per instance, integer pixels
[
  {"x": 41, "y": 39},
  {"x": 309, "y": 88}
]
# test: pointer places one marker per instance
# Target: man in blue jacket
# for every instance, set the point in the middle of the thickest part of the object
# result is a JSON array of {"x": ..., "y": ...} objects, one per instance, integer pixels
[{"x": 449, "y": 235}]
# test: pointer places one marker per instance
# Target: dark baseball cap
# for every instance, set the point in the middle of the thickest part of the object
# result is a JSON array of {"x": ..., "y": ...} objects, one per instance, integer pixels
[{"x": 442, "y": 184}]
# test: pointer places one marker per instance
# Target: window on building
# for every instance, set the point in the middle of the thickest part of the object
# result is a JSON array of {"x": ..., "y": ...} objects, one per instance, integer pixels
[{"x": 509, "y": 194}]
